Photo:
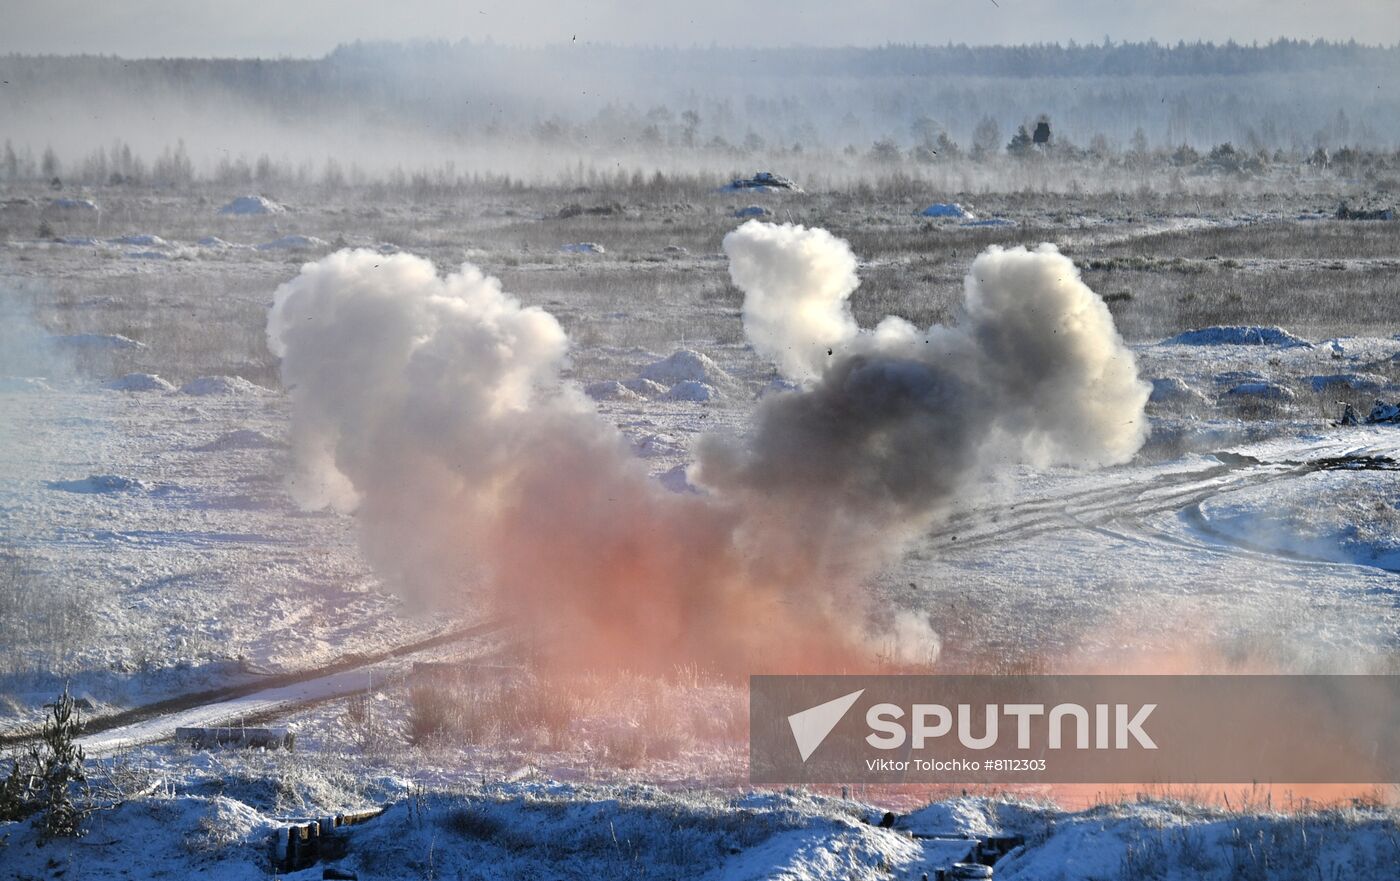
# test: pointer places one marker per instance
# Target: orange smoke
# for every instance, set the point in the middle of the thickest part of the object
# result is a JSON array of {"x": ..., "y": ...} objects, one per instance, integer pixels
[{"x": 611, "y": 571}]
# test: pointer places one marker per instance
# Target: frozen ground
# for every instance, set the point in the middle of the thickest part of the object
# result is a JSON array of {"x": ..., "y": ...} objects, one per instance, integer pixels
[
  {"x": 150, "y": 549},
  {"x": 214, "y": 817}
]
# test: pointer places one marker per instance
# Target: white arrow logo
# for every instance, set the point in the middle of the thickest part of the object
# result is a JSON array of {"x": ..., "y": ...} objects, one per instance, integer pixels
[{"x": 810, "y": 727}]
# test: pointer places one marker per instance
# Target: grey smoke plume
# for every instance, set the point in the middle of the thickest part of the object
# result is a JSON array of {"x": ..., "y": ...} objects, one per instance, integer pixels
[
  {"x": 1033, "y": 371},
  {"x": 434, "y": 407}
]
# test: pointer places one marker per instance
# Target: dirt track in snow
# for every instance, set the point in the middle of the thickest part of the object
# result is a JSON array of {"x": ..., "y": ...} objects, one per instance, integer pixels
[{"x": 249, "y": 701}]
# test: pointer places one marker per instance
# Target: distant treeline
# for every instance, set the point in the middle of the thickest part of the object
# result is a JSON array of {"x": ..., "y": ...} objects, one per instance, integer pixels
[
  {"x": 600, "y": 100},
  {"x": 347, "y": 63},
  {"x": 1032, "y": 60}
]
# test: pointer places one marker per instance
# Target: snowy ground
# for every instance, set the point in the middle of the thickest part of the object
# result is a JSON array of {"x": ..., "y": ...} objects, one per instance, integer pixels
[
  {"x": 216, "y": 820},
  {"x": 151, "y": 550}
]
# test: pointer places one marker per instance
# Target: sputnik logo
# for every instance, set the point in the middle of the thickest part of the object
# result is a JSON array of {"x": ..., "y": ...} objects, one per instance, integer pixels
[{"x": 811, "y": 726}]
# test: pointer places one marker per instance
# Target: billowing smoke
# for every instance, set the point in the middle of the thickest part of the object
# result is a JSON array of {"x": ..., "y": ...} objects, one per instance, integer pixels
[
  {"x": 434, "y": 407},
  {"x": 797, "y": 283},
  {"x": 1033, "y": 371}
]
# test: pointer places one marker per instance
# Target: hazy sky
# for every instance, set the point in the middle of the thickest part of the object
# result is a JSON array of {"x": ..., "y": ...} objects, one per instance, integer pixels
[{"x": 139, "y": 28}]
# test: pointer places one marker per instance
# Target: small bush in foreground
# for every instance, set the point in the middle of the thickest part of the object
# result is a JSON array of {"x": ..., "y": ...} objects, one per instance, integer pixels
[{"x": 43, "y": 781}]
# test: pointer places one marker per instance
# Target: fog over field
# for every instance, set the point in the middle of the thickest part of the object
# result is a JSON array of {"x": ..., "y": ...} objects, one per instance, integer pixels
[
  {"x": 416, "y": 429},
  {"x": 571, "y": 111}
]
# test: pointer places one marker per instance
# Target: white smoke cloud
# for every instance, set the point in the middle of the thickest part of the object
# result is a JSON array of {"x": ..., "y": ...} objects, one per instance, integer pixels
[
  {"x": 1065, "y": 385},
  {"x": 797, "y": 283},
  {"x": 406, "y": 388},
  {"x": 434, "y": 407}
]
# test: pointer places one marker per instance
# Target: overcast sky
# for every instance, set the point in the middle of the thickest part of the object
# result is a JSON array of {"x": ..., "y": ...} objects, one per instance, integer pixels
[{"x": 140, "y": 28}]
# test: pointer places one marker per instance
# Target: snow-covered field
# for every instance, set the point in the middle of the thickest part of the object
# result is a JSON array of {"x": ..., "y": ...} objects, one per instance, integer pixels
[
  {"x": 151, "y": 550},
  {"x": 216, "y": 817}
]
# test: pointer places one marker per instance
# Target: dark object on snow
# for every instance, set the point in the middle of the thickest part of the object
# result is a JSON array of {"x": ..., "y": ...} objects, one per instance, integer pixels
[
  {"x": 1345, "y": 213},
  {"x": 209, "y": 738},
  {"x": 1348, "y": 416},
  {"x": 1042, "y": 132},
  {"x": 887, "y": 821},
  {"x": 575, "y": 210},
  {"x": 303, "y": 844},
  {"x": 763, "y": 182},
  {"x": 997, "y": 846},
  {"x": 1383, "y": 414},
  {"x": 1354, "y": 463},
  {"x": 947, "y": 209}
]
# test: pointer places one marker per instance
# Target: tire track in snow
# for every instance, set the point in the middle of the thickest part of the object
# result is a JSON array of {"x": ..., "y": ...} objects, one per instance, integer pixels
[
  {"x": 1090, "y": 508},
  {"x": 255, "y": 708},
  {"x": 1132, "y": 502}
]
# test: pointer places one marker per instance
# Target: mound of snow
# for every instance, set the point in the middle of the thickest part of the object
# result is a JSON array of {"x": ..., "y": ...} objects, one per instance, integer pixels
[
  {"x": 645, "y": 387},
  {"x": 953, "y": 818},
  {"x": 77, "y": 241},
  {"x": 95, "y": 341},
  {"x": 583, "y": 248},
  {"x": 9, "y": 384},
  {"x": 147, "y": 255},
  {"x": 1163, "y": 840},
  {"x": 145, "y": 240},
  {"x": 241, "y": 439},
  {"x": 752, "y": 211},
  {"x": 685, "y": 365},
  {"x": 293, "y": 243},
  {"x": 655, "y": 446},
  {"x": 1357, "y": 382},
  {"x": 610, "y": 390},
  {"x": 139, "y": 382},
  {"x": 947, "y": 209},
  {"x": 213, "y": 242},
  {"x": 1342, "y": 516},
  {"x": 178, "y": 837},
  {"x": 1237, "y": 335},
  {"x": 220, "y": 385},
  {"x": 691, "y": 390},
  {"x": 73, "y": 204},
  {"x": 97, "y": 483},
  {"x": 1173, "y": 390},
  {"x": 246, "y": 205},
  {"x": 225, "y": 821},
  {"x": 1263, "y": 391}
]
